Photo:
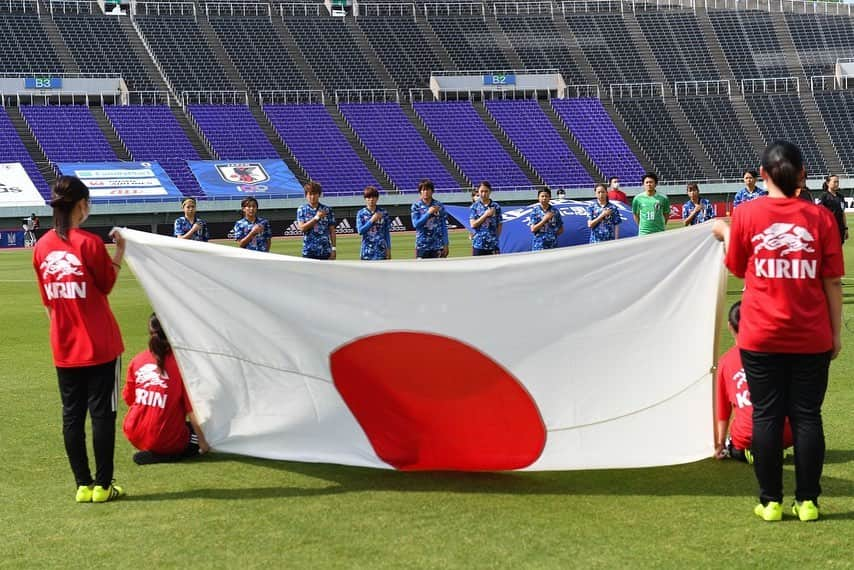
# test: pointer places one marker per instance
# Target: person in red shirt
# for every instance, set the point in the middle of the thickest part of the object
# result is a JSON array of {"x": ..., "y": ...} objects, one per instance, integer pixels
[
  {"x": 159, "y": 407},
  {"x": 614, "y": 192},
  {"x": 732, "y": 398},
  {"x": 75, "y": 274},
  {"x": 789, "y": 254}
]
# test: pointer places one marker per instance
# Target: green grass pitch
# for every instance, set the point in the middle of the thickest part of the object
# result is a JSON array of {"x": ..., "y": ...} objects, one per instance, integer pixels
[{"x": 225, "y": 511}]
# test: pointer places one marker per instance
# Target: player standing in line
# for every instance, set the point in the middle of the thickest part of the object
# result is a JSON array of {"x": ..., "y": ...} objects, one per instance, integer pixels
[
  {"x": 696, "y": 210},
  {"x": 160, "y": 421},
  {"x": 545, "y": 222},
  {"x": 650, "y": 208},
  {"x": 789, "y": 253},
  {"x": 190, "y": 226},
  {"x": 317, "y": 223},
  {"x": 374, "y": 225},
  {"x": 75, "y": 274},
  {"x": 431, "y": 224},
  {"x": 603, "y": 217},
  {"x": 485, "y": 219},
  {"x": 749, "y": 192},
  {"x": 251, "y": 231}
]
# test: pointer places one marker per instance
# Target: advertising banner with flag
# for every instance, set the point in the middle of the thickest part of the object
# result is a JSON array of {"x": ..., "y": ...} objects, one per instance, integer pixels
[
  {"x": 16, "y": 187},
  {"x": 128, "y": 181},
  {"x": 562, "y": 359},
  {"x": 516, "y": 233},
  {"x": 259, "y": 178}
]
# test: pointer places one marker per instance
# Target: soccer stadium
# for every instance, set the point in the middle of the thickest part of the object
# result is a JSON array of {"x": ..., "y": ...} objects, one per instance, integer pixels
[{"x": 152, "y": 102}]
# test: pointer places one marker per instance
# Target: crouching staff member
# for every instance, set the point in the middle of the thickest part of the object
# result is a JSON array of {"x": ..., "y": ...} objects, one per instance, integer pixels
[
  {"x": 75, "y": 274},
  {"x": 157, "y": 422},
  {"x": 789, "y": 253},
  {"x": 317, "y": 223},
  {"x": 485, "y": 219}
]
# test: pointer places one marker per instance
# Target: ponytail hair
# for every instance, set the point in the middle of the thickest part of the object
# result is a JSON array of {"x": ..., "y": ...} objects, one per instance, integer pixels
[
  {"x": 158, "y": 344},
  {"x": 65, "y": 193},
  {"x": 785, "y": 166}
]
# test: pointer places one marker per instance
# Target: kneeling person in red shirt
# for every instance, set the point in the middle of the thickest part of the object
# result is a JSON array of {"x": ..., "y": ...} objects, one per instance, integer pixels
[
  {"x": 732, "y": 397},
  {"x": 156, "y": 422}
]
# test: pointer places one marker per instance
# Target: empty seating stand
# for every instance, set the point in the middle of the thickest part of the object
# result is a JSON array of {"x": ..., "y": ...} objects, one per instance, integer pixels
[
  {"x": 12, "y": 149},
  {"x": 820, "y": 39},
  {"x": 396, "y": 146},
  {"x": 749, "y": 43},
  {"x": 837, "y": 110},
  {"x": 780, "y": 116},
  {"x": 720, "y": 133},
  {"x": 592, "y": 127},
  {"x": 402, "y": 49},
  {"x": 258, "y": 53},
  {"x": 539, "y": 44},
  {"x": 99, "y": 44},
  {"x": 24, "y": 45},
  {"x": 531, "y": 132},
  {"x": 183, "y": 53},
  {"x": 232, "y": 132},
  {"x": 333, "y": 54},
  {"x": 651, "y": 126},
  {"x": 151, "y": 132},
  {"x": 320, "y": 148},
  {"x": 608, "y": 46},
  {"x": 469, "y": 42},
  {"x": 678, "y": 45},
  {"x": 68, "y": 133},
  {"x": 470, "y": 144}
]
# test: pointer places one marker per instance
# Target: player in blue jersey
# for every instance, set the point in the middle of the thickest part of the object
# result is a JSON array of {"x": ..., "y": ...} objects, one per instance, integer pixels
[
  {"x": 374, "y": 225},
  {"x": 190, "y": 226},
  {"x": 431, "y": 224},
  {"x": 750, "y": 191},
  {"x": 252, "y": 231},
  {"x": 545, "y": 221},
  {"x": 317, "y": 223},
  {"x": 603, "y": 217},
  {"x": 696, "y": 210},
  {"x": 485, "y": 221}
]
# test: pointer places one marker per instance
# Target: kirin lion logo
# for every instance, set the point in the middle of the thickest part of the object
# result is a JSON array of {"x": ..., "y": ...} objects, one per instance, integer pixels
[
  {"x": 789, "y": 237},
  {"x": 147, "y": 377},
  {"x": 60, "y": 264}
]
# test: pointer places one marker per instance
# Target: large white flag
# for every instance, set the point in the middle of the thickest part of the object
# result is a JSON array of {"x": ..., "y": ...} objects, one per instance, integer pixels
[{"x": 585, "y": 357}]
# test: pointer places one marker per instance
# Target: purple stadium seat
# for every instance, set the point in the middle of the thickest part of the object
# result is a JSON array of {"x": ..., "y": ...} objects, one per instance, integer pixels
[
  {"x": 468, "y": 141},
  {"x": 151, "y": 132},
  {"x": 68, "y": 133},
  {"x": 592, "y": 127},
  {"x": 533, "y": 134},
  {"x": 395, "y": 144},
  {"x": 13, "y": 150},
  {"x": 320, "y": 148},
  {"x": 232, "y": 132}
]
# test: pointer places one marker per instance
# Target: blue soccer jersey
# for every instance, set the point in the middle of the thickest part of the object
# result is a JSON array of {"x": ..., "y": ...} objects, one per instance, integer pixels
[
  {"x": 183, "y": 225},
  {"x": 376, "y": 236},
  {"x": 546, "y": 237},
  {"x": 745, "y": 195},
  {"x": 316, "y": 241},
  {"x": 485, "y": 236},
  {"x": 706, "y": 213},
  {"x": 259, "y": 243},
  {"x": 605, "y": 229},
  {"x": 431, "y": 230}
]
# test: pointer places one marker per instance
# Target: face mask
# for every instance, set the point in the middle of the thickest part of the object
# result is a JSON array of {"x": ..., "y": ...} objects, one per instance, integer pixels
[{"x": 616, "y": 186}]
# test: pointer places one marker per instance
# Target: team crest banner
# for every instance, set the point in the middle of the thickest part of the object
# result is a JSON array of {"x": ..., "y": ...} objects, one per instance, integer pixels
[
  {"x": 259, "y": 178},
  {"x": 577, "y": 358}
]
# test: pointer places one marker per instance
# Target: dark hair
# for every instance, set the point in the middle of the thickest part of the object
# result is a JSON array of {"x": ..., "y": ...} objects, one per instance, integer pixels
[
  {"x": 545, "y": 189},
  {"x": 611, "y": 180},
  {"x": 313, "y": 186},
  {"x": 485, "y": 183},
  {"x": 158, "y": 344},
  {"x": 652, "y": 175},
  {"x": 372, "y": 192},
  {"x": 824, "y": 186},
  {"x": 65, "y": 193},
  {"x": 246, "y": 201},
  {"x": 426, "y": 184},
  {"x": 735, "y": 315},
  {"x": 188, "y": 199},
  {"x": 784, "y": 164},
  {"x": 692, "y": 186},
  {"x": 750, "y": 172},
  {"x": 599, "y": 185}
]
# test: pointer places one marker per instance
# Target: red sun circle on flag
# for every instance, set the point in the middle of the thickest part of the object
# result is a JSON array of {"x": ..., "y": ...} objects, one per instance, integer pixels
[{"x": 429, "y": 402}]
